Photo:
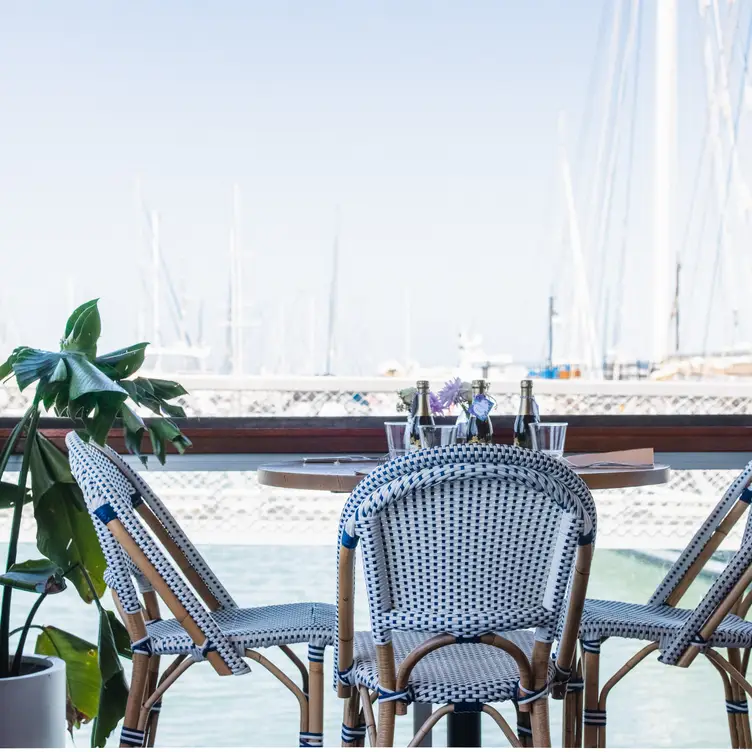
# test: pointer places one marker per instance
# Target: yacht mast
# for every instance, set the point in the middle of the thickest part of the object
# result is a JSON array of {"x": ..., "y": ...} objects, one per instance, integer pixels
[
  {"x": 330, "y": 336},
  {"x": 155, "y": 273},
  {"x": 664, "y": 252},
  {"x": 236, "y": 287}
]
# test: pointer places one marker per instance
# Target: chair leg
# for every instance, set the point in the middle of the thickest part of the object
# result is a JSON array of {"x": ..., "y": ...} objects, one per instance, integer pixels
[
  {"x": 151, "y": 728},
  {"x": 131, "y": 735},
  {"x": 351, "y": 720},
  {"x": 738, "y": 707},
  {"x": 315, "y": 736},
  {"x": 540, "y": 722},
  {"x": 570, "y": 721},
  {"x": 524, "y": 728},
  {"x": 385, "y": 730},
  {"x": 729, "y": 696},
  {"x": 593, "y": 718}
]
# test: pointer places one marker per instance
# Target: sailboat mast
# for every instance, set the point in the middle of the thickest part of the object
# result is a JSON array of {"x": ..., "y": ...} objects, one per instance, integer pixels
[
  {"x": 330, "y": 336},
  {"x": 664, "y": 165},
  {"x": 155, "y": 272},
  {"x": 236, "y": 287},
  {"x": 551, "y": 314}
]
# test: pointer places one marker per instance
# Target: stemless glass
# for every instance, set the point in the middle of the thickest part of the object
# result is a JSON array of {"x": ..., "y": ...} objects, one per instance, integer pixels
[
  {"x": 435, "y": 436},
  {"x": 395, "y": 438},
  {"x": 548, "y": 437}
]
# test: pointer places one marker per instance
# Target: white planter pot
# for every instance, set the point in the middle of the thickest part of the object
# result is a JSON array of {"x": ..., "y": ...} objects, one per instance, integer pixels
[{"x": 32, "y": 706}]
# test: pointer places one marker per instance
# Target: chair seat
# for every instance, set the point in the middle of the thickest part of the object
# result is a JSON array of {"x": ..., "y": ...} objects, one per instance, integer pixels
[
  {"x": 464, "y": 672},
  {"x": 654, "y": 623},
  {"x": 261, "y": 627}
]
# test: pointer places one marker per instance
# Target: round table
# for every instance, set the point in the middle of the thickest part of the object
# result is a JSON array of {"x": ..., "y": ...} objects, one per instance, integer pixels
[{"x": 342, "y": 477}]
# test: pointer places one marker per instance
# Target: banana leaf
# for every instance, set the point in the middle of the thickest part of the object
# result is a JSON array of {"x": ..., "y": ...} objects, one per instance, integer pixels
[
  {"x": 82, "y": 675},
  {"x": 122, "y": 363},
  {"x": 82, "y": 330},
  {"x": 162, "y": 430},
  {"x": 30, "y": 365},
  {"x": 10, "y": 493},
  {"x": 65, "y": 533},
  {"x": 113, "y": 693},
  {"x": 35, "y": 576}
]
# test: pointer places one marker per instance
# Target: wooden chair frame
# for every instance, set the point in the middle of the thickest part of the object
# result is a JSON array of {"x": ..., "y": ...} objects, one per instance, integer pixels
[
  {"x": 146, "y": 691},
  {"x": 576, "y": 730},
  {"x": 533, "y": 674}
]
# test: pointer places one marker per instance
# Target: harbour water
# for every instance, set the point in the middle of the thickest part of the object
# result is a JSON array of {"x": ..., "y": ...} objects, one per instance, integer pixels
[{"x": 655, "y": 706}]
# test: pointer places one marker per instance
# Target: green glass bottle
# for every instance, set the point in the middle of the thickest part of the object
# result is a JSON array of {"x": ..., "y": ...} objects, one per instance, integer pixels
[
  {"x": 479, "y": 429},
  {"x": 420, "y": 417},
  {"x": 528, "y": 413}
]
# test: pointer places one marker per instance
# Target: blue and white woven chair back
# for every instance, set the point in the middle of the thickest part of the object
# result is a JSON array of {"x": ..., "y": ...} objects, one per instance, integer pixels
[
  {"x": 737, "y": 565},
  {"x": 170, "y": 524},
  {"x": 467, "y": 545},
  {"x": 109, "y": 495},
  {"x": 737, "y": 491}
]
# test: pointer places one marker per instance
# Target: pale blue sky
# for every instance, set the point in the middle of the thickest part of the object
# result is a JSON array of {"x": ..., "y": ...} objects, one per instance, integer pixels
[{"x": 432, "y": 124}]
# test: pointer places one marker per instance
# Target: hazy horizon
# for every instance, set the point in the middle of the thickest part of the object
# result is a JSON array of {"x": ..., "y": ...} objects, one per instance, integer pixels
[{"x": 433, "y": 126}]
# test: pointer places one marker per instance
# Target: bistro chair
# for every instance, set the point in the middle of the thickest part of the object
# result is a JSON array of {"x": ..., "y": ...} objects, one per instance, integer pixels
[
  {"x": 465, "y": 550},
  {"x": 128, "y": 516},
  {"x": 678, "y": 634}
]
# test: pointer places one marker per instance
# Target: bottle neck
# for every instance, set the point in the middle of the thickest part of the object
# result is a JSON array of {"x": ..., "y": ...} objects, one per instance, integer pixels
[
  {"x": 527, "y": 403},
  {"x": 423, "y": 408}
]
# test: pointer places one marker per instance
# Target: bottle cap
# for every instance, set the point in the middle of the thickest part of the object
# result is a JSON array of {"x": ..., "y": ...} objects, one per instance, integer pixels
[
  {"x": 477, "y": 383},
  {"x": 526, "y": 383},
  {"x": 422, "y": 385}
]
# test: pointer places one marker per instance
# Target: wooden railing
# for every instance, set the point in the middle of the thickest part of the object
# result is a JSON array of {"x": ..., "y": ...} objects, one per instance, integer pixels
[{"x": 586, "y": 433}]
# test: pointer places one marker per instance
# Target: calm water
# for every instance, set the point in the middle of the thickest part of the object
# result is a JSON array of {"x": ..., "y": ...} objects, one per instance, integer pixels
[{"x": 655, "y": 706}]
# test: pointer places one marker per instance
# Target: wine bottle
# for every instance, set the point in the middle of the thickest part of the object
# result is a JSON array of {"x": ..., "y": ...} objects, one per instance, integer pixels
[
  {"x": 527, "y": 414},
  {"x": 479, "y": 429},
  {"x": 421, "y": 417}
]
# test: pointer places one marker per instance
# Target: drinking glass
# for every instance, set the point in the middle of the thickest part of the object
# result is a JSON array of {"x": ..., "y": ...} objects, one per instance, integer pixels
[
  {"x": 436, "y": 436},
  {"x": 395, "y": 438},
  {"x": 548, "y": 437}
]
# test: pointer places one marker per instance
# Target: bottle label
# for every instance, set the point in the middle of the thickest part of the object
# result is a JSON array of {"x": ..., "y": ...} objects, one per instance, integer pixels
[{"x": 481, "y": 406}]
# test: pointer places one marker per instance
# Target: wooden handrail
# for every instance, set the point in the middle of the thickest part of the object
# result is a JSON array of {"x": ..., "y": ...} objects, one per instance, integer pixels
[{"x": 586, "y": 433}]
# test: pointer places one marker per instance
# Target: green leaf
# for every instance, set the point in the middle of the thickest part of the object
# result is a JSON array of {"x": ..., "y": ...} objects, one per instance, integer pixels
[
  {"x": 93, "y": 396},
  {"x": 10, "y": 494},
  {"x": 82, "y": 330},
  {"x": 65, "y": 533},
  {"x": 163, "y": 389},
  {"x": 30, "y": 365},
  {"x": 174, "y": 411},
  {"x": 162, "y": 430},
  {"x": 61, "y": 371},
  {"x": 99, "y": 423},
  {"x": 122, "y": 638},
  {"x": 82, "y": 673},
  {"x": 6, "y": 369},
  {"x": 122, "y": 363},
  {"x": 88, "y": 381},
  {"x": 35, "y": 576},
  {"x": 113, "y": 694},
  {"x": 141, "y": 392},
  {"x": 134, "y": 431}
]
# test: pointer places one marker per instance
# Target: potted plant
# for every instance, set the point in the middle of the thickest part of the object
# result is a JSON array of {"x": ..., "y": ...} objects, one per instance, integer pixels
[{"x": 37, "y": 693}]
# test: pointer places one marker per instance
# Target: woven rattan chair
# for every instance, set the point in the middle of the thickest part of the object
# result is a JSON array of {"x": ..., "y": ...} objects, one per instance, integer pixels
[
  {"x": 465, "y": 549},
  {"x": 679, "y": 634},
  {"x": 128, "y": 516}
]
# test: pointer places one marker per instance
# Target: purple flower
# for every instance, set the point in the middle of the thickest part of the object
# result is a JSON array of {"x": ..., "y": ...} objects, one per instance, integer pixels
[
  {"x": 434, "y": 404},
  {"x": 450, "y": 394}
]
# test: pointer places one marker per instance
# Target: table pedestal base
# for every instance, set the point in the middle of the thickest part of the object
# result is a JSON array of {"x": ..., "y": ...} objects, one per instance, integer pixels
[{"x": 463, "y": 730}]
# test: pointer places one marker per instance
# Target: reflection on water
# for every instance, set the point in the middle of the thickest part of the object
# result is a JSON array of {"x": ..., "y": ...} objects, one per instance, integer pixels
[{"x": 656, "y": 706}]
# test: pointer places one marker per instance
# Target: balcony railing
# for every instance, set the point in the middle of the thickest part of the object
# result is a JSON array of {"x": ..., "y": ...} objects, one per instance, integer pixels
[{"x": 213, "y": 488}]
